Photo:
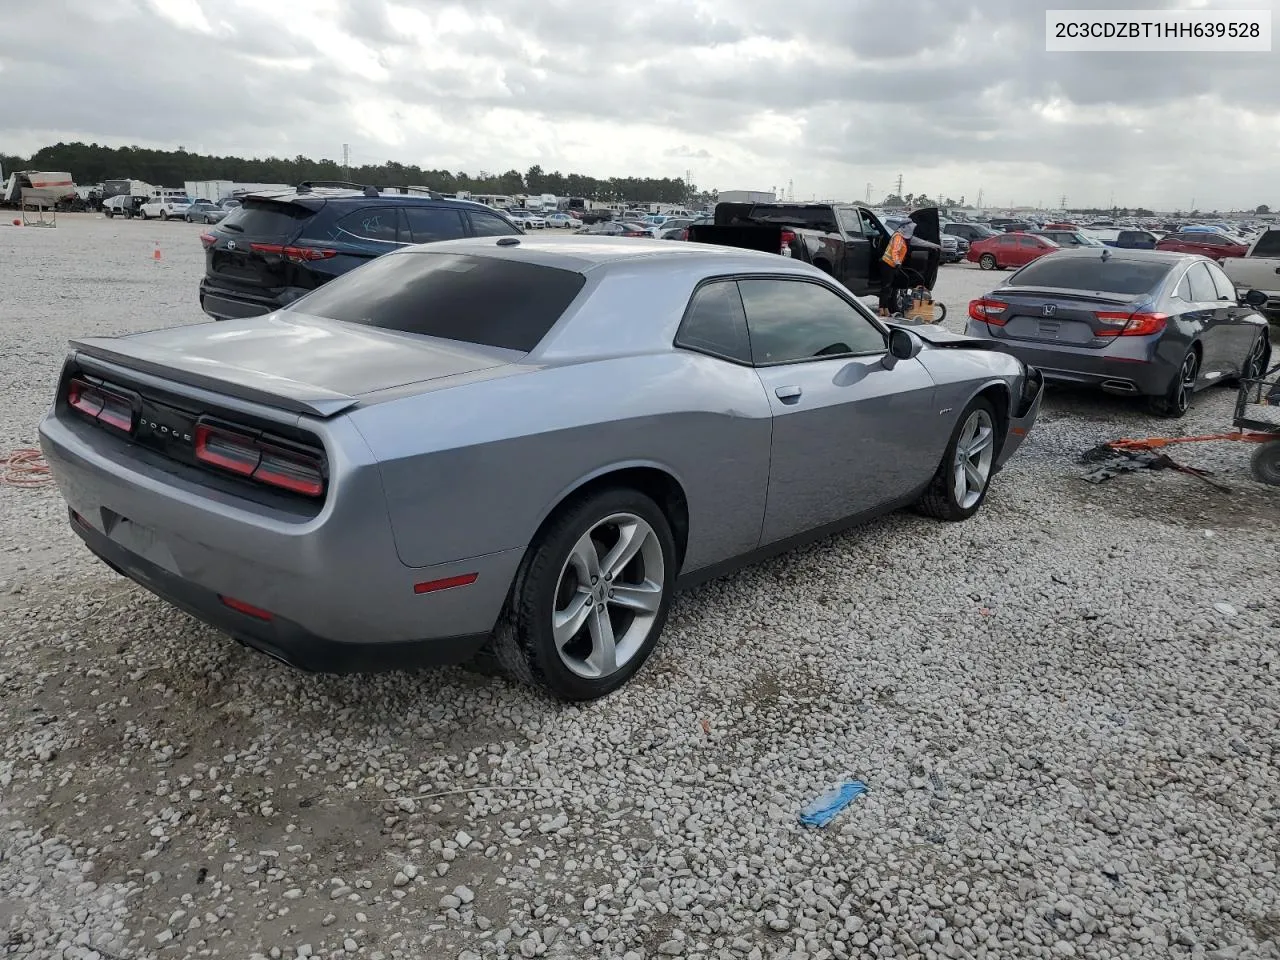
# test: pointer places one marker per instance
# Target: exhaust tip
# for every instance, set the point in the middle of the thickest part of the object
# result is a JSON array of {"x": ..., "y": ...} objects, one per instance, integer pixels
[{"x": 1119, "y": 386}]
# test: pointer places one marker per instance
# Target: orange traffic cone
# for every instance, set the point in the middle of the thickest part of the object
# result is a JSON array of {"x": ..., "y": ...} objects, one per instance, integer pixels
[{"x": 156, "y": 254}]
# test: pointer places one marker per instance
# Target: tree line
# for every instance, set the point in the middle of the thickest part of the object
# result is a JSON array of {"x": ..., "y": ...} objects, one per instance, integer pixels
[{"x": 91, "y": 163}]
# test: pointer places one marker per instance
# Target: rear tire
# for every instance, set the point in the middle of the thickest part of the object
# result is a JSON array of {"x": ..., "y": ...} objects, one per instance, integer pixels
[
  {"x": 988, "y": 262},
  {"x": 959, "y": 487},
  {"x": 551, "y": 634},
  {"x": 164, "y": 214},
  {"x": 1176, "y": 401},
  {"x": 1255, "y": 364},
  {"x": 1265, "y": 463}
]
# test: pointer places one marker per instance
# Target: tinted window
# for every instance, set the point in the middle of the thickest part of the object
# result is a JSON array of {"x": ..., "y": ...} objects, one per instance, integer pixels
[
  {"x": 1008, "y": 241},
  {"x": 850, "y": 220},
  {"x": 1033, "y": 241},
  {"x": 1209, "y": 239},
  {"x": 265, "y": 218},
  {"x": 433, "y": 223},
  {"x": 499, "y": 303},
  {"x": 1112, "y": 275},
  {"x": 1268, "y": 245},
  {"x": 373, "y": 223},
  {"x": 1222, "y": 284},
  {"x": 1202, "y": 289},
  {"x": 716, "y": 323},
  {"x": 487, "y": 225},
  {"x": 816, "y": 218},
  {"x": 794, "y": 320}
]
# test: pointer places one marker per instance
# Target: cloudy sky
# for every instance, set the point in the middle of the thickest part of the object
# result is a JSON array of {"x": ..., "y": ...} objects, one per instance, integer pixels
[{"x": 956, "y": 95}]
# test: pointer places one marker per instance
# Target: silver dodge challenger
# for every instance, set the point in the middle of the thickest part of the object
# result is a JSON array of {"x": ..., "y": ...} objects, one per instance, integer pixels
[{"x": 514, "y": 449}]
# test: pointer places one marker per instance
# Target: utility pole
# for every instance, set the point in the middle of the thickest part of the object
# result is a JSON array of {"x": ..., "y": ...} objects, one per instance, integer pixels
[
  {"x": 791, "y": 191},
  {"x": 979, "y": 198},
  {"x": 868, "y": 191},
  {"x": 899, "y": 190},
  {"x": 346, "y": 161},
  {"x": 1063, "y": 201}
]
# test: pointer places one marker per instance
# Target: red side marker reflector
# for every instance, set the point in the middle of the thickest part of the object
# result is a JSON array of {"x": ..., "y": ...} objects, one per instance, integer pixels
[
  {"x": 247, "y": 609},
  {"x": 431, "y": 586}
]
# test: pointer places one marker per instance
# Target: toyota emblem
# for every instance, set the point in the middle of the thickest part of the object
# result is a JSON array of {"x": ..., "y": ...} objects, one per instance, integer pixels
[{"x": 231, "y": 244}]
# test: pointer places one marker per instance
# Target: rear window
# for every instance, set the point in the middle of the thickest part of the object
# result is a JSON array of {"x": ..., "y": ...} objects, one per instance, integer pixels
[
  {"x": 1268, "y": 244},
  {"x": 1113, "y": 275},
  {"x": 266, "y": 218},
  {"x": 813, "y": 218},
  {"x": 482, "y": 300}
]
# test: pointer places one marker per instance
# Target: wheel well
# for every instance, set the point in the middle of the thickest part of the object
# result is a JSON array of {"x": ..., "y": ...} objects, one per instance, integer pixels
[
  {"x": 999, "y": 397},
  {"x": 659, "y": 486},
  {"x": 822, "y": 265}
]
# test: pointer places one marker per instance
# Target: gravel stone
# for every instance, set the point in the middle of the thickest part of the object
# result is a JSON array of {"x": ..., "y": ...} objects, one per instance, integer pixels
[{"x": 1066, "y": 711}]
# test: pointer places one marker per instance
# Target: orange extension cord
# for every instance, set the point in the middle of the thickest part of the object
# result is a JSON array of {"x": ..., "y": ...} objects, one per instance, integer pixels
[{"x": 25, "y": 468}]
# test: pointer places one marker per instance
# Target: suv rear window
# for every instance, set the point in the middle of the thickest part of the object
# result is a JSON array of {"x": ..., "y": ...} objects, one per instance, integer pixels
[
  {"x": 482, "y": 300},
  {"x": 266, "y": 218},
  {"x": 1112, "y": 275}
]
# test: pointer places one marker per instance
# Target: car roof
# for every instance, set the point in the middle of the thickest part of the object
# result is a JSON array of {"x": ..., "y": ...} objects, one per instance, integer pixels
[
  {"x": 582, "y": 254},
  {"x": 330, "y": 194},
  {"x": 1118, "y": 253}
]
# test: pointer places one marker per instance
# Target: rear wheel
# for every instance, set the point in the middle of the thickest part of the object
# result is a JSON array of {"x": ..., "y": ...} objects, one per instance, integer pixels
[
  {"x": 960, "y": 485},
  {"x": 1265, "y": 463},
  {"x": 1255, "y": 364},
  {"x": 591, "y": 597},
  {"x": 988, "y": 261},
  {"x": 1176, "y": 401},
  {"x": 164, "y": 214}
]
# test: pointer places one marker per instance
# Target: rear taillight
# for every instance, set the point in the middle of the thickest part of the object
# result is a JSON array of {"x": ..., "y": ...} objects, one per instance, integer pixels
[
  {"x": 788, "y": 238},
  {"x": 293, "y": 254},
  {"x": 259, "y": 459},
  {"x": 208, "y": 239},
  {"x": 684, "y": 234},
  {"x": 986, "y": 310},
  {"x": 1130, "y": 324},
  {"x": 98, "y": 403}
]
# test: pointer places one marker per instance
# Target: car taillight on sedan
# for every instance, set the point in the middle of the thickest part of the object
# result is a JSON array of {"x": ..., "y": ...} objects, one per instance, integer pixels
[
  {"x": 1117, "y": 324},
  {"x": 987, "y": 310},
  {"x": 259, "y": 458},
  {"x": 105, "y": 406}
]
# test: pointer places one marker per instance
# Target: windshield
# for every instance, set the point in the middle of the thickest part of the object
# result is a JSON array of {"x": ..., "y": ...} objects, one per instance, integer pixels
[{"x": 1112, "y": 275}]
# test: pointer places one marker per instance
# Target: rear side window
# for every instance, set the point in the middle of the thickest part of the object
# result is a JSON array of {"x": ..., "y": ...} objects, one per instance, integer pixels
[
  {"x": 481, "y": 300},
  {"x": 428, "y": 224},
  {"x": 373, "y": 223},
  {"x": 1113, "y": 275},
  {"x": 1222, "y": 284},
  {"x": 1202, "y": 288},
  {"x": 813, "y": 218},
  {"x": 266, "y": 218},
  {"x": 1268, "y": 244},
  {"x": 487, "y": 225},
  {"x": 715, "y": 323}
]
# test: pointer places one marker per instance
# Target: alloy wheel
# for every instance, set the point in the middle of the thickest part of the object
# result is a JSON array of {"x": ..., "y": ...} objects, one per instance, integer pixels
[
  {"x": 1255, "y": 365},
  {"x": 1186, "y": 382},
  {"x": 608, "y": 595},
  {"x": 975, "y": 449}
]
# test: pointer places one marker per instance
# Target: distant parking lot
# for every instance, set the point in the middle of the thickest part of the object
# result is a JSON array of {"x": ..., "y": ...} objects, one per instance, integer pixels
[{"x": 1065, "y": 711}]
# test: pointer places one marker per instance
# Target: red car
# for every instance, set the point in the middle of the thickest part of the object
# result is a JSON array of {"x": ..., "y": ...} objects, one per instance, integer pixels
[
  {"x": 1215, "y": 246},
  {"x": 1009, "y": 250}
]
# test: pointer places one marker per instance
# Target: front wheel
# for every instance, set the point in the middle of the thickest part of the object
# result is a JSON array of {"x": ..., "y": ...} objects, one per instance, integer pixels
[
  {"x": 960, "y": 485},
  {"x": 1255, "y": 365},
  {"x": 591, "y": 597},
  {"x": 1176, "y": 401},
  {"x": 987, "y": 261},
  {"x": 164, "y": 214}
]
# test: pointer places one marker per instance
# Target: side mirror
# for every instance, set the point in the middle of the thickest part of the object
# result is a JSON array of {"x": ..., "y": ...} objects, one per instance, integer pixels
[
  {"x": 903, "y": 345},
  {"x": 1255, "y": 299}
]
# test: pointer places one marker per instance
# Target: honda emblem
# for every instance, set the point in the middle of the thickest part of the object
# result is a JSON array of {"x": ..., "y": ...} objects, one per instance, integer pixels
[{"x": 1048, "y": 310}]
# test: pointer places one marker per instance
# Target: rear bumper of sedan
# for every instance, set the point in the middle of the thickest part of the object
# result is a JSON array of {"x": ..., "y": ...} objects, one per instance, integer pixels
[
  {"x": 1121, "y": 368},
  {"x": 326, "y": 592}
]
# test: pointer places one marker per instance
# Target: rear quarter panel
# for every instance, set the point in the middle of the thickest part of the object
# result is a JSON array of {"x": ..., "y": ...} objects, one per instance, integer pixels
[{"x": 475, "y": 469}]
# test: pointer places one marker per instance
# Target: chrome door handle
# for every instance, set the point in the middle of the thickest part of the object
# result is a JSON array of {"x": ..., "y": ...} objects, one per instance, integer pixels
[{"x": 788, "y": 393}]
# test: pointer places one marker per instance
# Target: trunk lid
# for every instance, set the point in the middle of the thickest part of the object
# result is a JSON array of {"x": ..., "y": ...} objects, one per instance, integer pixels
[
  {"x": 1066, "y": 317},
  {"x": 293, "y": 361},
  {"x": 248, "y": 245}
]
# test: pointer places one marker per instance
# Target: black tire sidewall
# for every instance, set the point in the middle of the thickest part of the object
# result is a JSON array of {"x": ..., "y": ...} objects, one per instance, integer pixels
[
  {"x": 988, "y": 262},
  {"x": 535, "y": 601},
  {"x": 1265, "y": 463}
]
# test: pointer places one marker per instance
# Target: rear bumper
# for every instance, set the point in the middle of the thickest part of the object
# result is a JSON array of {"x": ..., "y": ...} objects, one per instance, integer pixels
[
  {"x": 1123, "y": 368},
  {"x": 338, "y": 594},
  {"x": 222, "y": 303}
]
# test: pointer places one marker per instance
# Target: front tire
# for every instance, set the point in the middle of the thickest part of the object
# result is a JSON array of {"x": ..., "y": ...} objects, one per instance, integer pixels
[
  {"x": 1176, "y": 401},
  {"x": 164, "y": 214},
  {"x": 988, "y": 261},
  {"x": 1265, "y": 463},
  {"x": 591, "y": 597},
  {"x": 959, "y": 488},
  {"x": 1255, "y": 364}
]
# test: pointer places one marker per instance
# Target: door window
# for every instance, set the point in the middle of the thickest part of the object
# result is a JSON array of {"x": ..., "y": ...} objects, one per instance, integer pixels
[
  {"x": 850, "y": 221},
  {"x": 1226, "y": 290},
  {"x": 427, "y": 224},
  {"x": 796, "y": 320},
  {"x": 373, "y": 223},
  {"x": 1202, "y": 289},
  {"x": 1028, "y": 242},
  {"x": 716, "y": 323},
  {"x": 487, "y": 225}
]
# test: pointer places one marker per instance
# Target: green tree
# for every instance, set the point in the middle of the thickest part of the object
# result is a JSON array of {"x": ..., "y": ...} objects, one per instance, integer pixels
[{"x": 1262, "y": 210}]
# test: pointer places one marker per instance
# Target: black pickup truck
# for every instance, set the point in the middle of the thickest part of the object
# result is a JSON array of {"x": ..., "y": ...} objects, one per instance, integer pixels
[{"x": 844, "y": 240}]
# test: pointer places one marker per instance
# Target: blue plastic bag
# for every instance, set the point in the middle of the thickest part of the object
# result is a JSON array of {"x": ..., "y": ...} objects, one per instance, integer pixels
[{"x": 822, "y": 811}]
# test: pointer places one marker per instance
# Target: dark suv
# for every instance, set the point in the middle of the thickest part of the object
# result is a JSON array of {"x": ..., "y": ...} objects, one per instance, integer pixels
[{"x": 276, "y": 247}]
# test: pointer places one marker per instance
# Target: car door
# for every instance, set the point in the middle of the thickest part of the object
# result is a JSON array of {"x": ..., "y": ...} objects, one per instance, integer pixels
[
  {"x": 1237, "y": 333},
  {"x": 856, "y": 273},
  {"x": 429, "y": 224},
  {"x": 1211, "y": 318},
  {"x": 1028, "y": 249},
  {"x": 849, "y": 436}
]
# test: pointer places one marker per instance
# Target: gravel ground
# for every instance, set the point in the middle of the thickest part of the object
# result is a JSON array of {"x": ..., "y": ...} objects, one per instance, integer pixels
[{"x": 1066, "y": 712}]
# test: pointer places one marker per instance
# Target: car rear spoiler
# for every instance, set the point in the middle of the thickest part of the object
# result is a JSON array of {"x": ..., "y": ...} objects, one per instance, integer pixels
[{"x": 222, "y": 379}]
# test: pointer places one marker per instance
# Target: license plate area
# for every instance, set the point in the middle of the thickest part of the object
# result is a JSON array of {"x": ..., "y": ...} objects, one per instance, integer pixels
[{"x": 138, "y": 539}]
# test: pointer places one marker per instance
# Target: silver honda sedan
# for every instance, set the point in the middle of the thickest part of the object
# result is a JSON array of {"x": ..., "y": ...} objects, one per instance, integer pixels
[{"x": 514, "y": 448}]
